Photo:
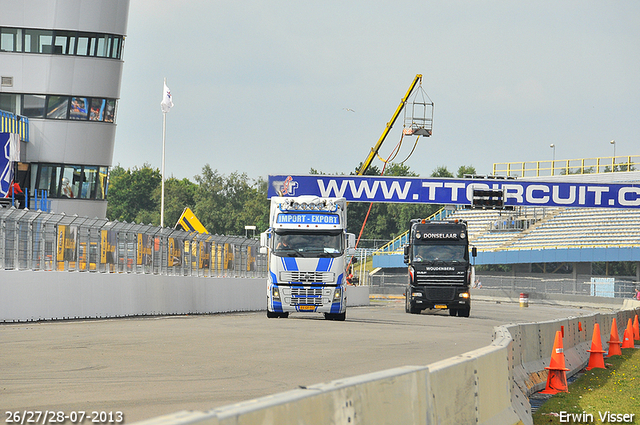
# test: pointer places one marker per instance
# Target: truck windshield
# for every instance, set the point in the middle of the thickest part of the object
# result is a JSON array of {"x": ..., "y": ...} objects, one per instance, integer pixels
[
  {"x": 427, "y": 253},
  {"x": 308, "y": 244}
]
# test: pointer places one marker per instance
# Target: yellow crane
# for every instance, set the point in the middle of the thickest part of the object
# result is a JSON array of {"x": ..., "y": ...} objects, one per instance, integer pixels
[{"x": 423, "y": 130}]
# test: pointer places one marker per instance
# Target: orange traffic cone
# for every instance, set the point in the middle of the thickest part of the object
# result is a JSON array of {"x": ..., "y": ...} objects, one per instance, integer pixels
[
  {"x": 614, "y": 341},
  {"x": 557, "y": 377},
  {"x": 596, "y": 358},
  {"x": 636, "y": 329},
  {"x": 627, "y": 338}
]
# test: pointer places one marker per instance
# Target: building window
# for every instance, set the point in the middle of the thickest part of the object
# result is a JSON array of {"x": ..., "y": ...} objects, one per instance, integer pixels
[
  {"x": 33, "y": 105},
  {"x": 61, "y": 42},
  {"x": 70, "y": 181},
  {"x": 97, "y": 109},
  {"x": 10, "y": 40},
  {"x": 83, "y": 45},
  {"x": 79, "y": 108},
  {"x": 66, "y": 42},
  {"x": 110, "y": 111},
  {"x": 10, "y": 103},
  {"x": 57, "y": 107}
]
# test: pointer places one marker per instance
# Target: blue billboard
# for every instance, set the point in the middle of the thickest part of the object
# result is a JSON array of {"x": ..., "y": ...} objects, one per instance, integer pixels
[{"x": 457, "y": 191}]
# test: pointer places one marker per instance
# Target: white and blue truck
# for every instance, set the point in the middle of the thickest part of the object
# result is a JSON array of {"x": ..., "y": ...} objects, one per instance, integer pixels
[{"x": 308, "y": 254}]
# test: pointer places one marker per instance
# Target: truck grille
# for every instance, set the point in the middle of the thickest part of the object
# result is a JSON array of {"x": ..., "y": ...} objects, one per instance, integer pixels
[
  {"x": 307, "y": 276},
  {"x": 306, "y": 296},
  {"x": 440, "y": 294},
  {"x": 440, "y": 278}
]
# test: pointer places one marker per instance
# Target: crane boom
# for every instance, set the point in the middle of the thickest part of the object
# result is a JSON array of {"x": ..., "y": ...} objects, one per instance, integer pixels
[{"x": 376, "y": 148}]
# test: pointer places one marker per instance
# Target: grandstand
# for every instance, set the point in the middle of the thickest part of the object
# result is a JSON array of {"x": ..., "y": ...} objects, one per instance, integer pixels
[
  {"x": 546, "y": 228},
  {"x": 524, "y": 236}
]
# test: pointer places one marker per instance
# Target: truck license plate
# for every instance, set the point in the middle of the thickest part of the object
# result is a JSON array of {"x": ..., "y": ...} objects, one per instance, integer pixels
[
  {"x": 308, "y": 308},
  {"x": 440, "y": 306}
]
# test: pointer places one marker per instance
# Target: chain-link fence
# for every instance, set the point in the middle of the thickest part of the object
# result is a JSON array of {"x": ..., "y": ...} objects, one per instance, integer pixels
[
  {"x": 35, "y": 240},
  {"x": 612, "y": 287}
]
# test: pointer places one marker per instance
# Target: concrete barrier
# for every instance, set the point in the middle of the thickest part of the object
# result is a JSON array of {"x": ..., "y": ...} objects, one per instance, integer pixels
[
  {"x": 486, "y": 386},
  {"x": 31, "y": 296}
]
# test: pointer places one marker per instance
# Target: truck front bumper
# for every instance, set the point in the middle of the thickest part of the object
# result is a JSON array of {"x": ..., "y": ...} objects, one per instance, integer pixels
[{"x": 440, "y": 297}]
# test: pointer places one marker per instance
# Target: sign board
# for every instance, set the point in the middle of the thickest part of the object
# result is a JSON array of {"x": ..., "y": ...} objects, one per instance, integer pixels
[
  {"x": 457, "y": 191},
  {"x": 603, "y": 287}
]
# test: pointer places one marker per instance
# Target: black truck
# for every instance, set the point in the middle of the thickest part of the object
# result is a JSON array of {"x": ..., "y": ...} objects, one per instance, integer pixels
[{"x": 439, "y": 267}]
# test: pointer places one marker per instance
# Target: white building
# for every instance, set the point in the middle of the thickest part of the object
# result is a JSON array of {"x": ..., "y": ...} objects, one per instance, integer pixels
[{"x": 61, "y": 66}]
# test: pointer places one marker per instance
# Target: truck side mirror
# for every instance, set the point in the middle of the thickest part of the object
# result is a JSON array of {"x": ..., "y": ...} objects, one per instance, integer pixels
[
  {"x": 474, "y": 251},
  {"x": 264, "y": 243},
  {"x": 406, "y": 254},
  {"x": 351, "y": 244}
]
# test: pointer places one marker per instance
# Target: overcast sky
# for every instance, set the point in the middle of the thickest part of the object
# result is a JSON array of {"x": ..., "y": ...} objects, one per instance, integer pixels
[{"x": 264, "y": 87}]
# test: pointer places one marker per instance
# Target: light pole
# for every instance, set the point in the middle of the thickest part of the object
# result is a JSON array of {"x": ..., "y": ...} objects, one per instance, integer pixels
[
  {"x": 613, "y": 160},
  {"x": 613, "y": 142},
  {"x": 553, "y": 163}
]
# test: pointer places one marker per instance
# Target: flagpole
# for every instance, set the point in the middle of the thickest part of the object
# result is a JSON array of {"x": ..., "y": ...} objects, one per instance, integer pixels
[{"x": 164, "y": 133}]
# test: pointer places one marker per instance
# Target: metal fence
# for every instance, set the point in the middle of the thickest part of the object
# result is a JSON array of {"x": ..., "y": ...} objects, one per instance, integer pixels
[
  {"x": 36, "y": 240},
  {"x": 618, "y": 287}
]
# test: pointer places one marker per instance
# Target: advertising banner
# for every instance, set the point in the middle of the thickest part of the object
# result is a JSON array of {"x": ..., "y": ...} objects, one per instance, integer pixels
[
  {"x": 205, "y": 255},
  {"x": 108, "y": 247},
  {"x": 457, "y": 191},
  {"x": 174, "y": 252},
  {"x": 66, "y": 246},
  {"x": 144, "y": 249},
  {"x": 9, "y": 154},
  {"x": 251, "y": 258}
]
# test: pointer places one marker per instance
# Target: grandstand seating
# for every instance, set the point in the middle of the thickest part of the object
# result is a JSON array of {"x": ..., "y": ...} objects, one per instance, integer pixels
[{"x": 552, "y": 228}]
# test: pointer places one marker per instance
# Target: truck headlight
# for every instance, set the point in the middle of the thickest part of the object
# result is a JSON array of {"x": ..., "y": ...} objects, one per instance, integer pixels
[
  {"x": 416, "y": 294},
  {"x": 463, "y": 295},
  {"x": 337, "y": 294},
  {"x": 275, "y": 293}
]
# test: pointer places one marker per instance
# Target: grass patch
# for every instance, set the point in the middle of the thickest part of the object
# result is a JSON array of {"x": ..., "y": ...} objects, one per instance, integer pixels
[{"x": 615, "y": 389}]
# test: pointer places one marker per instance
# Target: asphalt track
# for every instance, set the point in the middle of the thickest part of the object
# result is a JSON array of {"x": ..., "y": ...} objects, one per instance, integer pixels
[{"x": 146, "y": 367}]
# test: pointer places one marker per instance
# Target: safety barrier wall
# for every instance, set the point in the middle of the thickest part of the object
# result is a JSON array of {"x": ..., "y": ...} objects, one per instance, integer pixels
[
  {"x": 31, "y": 296},
  {"x": 490, "y": 385}
]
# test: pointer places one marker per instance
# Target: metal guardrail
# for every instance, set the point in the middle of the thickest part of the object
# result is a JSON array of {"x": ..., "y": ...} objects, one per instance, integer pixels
[
  {"x": 12, "y": 123},
  {"x": 36, "y": 240},
  {"x": 599, "y": 165}
]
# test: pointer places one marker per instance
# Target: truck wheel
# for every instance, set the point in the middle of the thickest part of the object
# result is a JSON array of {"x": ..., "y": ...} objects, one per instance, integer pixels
[
  {"x": 411, "y": 309},
  {"x": 339, "y": 317},
  {"x": 336, "y": 316},
  {"x": 464, "y": 312},
  {"x": 408, "y": 307},
  {"x": 272, "y": 314},
  {"x": 283, "y": 315},
  {"x": 453, "y": 311}
]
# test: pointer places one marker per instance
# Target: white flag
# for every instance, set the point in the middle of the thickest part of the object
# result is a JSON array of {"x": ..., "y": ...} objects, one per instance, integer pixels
[{"x": 167, "y": 100}]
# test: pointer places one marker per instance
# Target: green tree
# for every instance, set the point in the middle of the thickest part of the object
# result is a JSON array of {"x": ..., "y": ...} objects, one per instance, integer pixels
[
  {"x": 466, "y": 169},
  {"x": 441, "y": 171},
  {"x": 178, "y": 195},
  {"x": 131, "y": 192},
  {"x": 225, "y": 205}
]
